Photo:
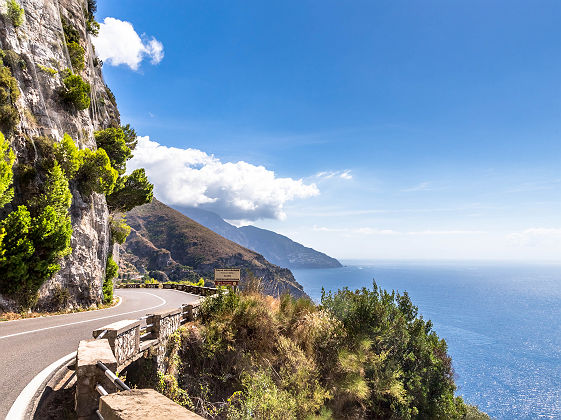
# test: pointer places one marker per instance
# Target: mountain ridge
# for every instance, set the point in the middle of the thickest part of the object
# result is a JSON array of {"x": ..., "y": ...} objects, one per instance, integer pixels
[
  {"x": 163, "y": 240},
  {"x": 276, "y": 248}
]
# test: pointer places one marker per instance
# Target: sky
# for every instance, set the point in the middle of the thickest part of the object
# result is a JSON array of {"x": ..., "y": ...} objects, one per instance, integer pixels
[{"x": 367, "y": 130}]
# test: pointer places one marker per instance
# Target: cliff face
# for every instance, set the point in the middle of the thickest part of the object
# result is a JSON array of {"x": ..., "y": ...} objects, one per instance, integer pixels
[
  {"x": 165, "y": 240},
  {"x": 42, "y": 56}
]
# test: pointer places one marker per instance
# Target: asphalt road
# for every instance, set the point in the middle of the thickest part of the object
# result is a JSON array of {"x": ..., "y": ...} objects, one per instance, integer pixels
[{"x": 27, "y": 346}]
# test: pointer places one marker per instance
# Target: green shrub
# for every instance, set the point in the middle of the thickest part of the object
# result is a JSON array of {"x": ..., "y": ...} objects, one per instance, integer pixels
[
  {"x": 15, "y": 13},
  {"x": 76, "y": 91},
  {"x": 76, "y": 52},
  {"x": 91, "y": 25},
  {"x": 95, "y": 173},
  {"x": 7, "y": 158},
  {"x": 12, "y": 59},
  {"x": 119, "y": 229},
  {"x": 111, "y": 270},
  {"x": 130, "y": 136},
  {"x": 130, "y": 191},
  {"x": 48, "y": 70},
  {"x": 35, "y": 240},
  {"x": 9, "y": 94},
  {"x": 68, "y": 156},
  {"x": 113, "y": 141}
]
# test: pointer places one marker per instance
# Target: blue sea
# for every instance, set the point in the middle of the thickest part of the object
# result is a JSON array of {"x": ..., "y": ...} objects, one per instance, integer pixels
[{"x": 502, "y": 323}]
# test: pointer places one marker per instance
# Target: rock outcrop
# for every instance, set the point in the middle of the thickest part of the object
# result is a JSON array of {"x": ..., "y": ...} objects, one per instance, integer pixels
[{"x": 42, "y": 57}]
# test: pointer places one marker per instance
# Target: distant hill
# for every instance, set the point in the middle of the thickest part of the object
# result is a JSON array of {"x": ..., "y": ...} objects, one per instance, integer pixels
[
  {"x": 276, "y": 248},
  {"x": 168, "y": 243}
]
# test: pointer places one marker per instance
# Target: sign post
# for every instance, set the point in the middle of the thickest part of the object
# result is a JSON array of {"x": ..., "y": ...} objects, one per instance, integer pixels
[{"x": 227, "y": 277}]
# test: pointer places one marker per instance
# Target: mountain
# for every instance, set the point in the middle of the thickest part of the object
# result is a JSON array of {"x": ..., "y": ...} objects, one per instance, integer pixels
[
  {"x": 174, "y": 246},
  {"x": 276, "y": 248}
]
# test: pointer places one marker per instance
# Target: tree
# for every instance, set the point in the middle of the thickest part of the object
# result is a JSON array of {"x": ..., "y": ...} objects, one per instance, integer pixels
[
  {"x": 119, "y": 229},
  {"x": 131, "y": 191},
  {"x": 113, "y": 141},
  {"x": 76, "y": 91},
  {"x": 7, "y": 159},
  {"x": 68, "y": 156},
  {"x": 95, "y": 173},
  {"x": 9, "y": 94},
  {"x": 130, "y": 136},
  {"x": 111, "y": 270}
]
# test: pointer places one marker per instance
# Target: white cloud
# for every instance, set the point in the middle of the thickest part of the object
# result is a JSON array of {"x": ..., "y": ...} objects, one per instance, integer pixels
[
  {"x": 236, "y": 191},
  {"x": 118, "y": 43},
  {"x": 344, "y": 174}
]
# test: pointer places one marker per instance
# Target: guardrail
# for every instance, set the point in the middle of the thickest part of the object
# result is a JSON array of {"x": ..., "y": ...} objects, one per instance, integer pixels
[
  {"x": 117, "y": 345},
  {"x": 198, "y": 290}
]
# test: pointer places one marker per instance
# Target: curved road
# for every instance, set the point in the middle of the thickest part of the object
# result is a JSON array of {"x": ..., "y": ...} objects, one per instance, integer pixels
[{"x": 27, "y": 346}]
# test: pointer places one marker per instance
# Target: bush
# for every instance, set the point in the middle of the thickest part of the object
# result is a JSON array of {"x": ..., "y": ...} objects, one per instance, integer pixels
[
  {"x": 76, "y": 91},
  {"x": 111, "y": 270},
  {"x": 15, "y": 13},
  {"x": 35, "y": 240},
  {"x": 113, "y": 141},
  {"x": 76, "y": 52},
  {"x": 9, "y": 94},
  {"x": 130, "y": 191},
  {"x": 7, "y": 158},
  {"x": 68, "y": 156},
  {"x": 95, "y": 173},
  {"x": 119, "y": 229},
  {"x": 12, "y": 59}
]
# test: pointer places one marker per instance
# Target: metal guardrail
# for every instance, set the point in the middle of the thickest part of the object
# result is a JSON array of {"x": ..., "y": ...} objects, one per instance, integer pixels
[{"x": 112, "y": 377}]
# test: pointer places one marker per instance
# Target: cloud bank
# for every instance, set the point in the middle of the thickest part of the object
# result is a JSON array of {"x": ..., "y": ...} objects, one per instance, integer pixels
[
  {"x": 118, "y": 43},
  {"x": 236, "y": 191}
]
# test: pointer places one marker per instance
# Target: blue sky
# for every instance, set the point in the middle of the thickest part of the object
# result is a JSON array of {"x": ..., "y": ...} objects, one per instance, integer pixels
[{"x": 395, "y": 129}]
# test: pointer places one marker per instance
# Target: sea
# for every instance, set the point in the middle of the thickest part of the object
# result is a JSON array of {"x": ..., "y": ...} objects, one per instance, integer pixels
[{"x": 502, "y": 323}]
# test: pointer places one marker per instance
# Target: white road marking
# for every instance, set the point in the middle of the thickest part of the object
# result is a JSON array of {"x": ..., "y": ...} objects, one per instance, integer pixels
[
  {"x": 69, "y": 313},
  {"x": 18, "y": 411},
  {"x": 87, "y": 320}
]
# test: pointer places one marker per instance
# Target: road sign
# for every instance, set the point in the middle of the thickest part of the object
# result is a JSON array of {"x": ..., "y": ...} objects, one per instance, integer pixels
[{"x": 226, "y": 276}]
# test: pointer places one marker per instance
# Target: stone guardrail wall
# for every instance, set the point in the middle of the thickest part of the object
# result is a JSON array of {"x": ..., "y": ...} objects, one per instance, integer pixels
[{"x": 119, "y": 344}]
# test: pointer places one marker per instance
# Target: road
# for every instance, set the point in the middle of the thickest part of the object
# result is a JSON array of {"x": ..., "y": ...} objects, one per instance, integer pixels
[{"x": 27, "y": 346}]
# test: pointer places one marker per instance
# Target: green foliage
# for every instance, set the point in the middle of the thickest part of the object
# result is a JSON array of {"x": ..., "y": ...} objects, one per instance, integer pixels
[
  {"x": 119, "y": 229},
  {"x": 111, "y": 270},
  {"x": 95, "y": 173},
  {"x": 76, "y": 52},
  {"x": 71, "y": 34},
  {"x": 76, "y": 91},
  {"x": 15, "y": 13},
  {"x": 7, "y": 158},
  {"x": 12, "y": 59},
  {"x": 68, "y": 156},
  {"x": 91, "y": 25},
  {"x": 48, "y": 70},
  {"x": 130, "y": 191},
  {"x": 360, "y": 354},
  {"x": 113, "y": 141},
  {"x": 130, "y": 136},
  {"x": 36, "y": 240},
  {"x": 9, "y": 94}
]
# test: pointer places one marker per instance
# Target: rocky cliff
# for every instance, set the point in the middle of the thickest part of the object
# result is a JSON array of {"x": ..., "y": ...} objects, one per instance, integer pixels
[
  {"x": 164, "y": 240},
  {"x": 36, "y": 52}
]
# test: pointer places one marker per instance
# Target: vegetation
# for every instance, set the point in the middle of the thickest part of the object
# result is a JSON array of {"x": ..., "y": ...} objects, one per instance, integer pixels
[
  {"x": 113, "y": 141},
  {"x": 76, "y": 91},
  {"x": 48, "y": 70},
  {"x": 36, "y": 238},
  {"x": 111, "y": 271},
  {"x": 7, "y": 158},
  {"x": 359, "y": 354},
  {"x": 95, "y": 173},
  {"x": 119, "y": 229},
  {"x": 9, "y": 94},
  {"x": 15, "y": 13},
  {"x": 12, "y": 59},
  {"x": 130, "y": 191},
  {"x": 91, "y": 25},
  {"x": 75, "y": 50}
]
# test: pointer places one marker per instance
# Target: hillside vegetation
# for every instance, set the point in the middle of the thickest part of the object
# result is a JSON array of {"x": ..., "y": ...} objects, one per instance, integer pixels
[{"x": 358, "y": 354}]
